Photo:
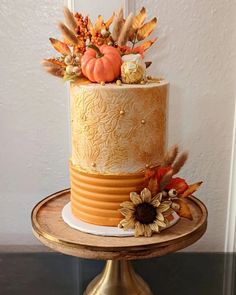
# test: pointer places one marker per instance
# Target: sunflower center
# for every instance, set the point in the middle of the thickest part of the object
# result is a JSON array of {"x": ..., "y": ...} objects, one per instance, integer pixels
[{"x": 145, "y": 213}]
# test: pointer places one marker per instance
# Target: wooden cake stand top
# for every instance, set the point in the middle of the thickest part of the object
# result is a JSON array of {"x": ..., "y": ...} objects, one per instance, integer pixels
[{"x": 49, "y": 227}]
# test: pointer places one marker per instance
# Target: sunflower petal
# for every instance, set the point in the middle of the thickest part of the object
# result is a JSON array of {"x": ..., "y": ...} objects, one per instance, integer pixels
[
  {"x": 160, "y": 216},
  {"x": 126, "y": 212},
  {"x": 128, "y": 205},
  {"x": 147, "y": 230},
  {"x": 146, "y": 195},
  {"x": 135, "y": 198},
  {"x": 154, "y": 227},
  {"x": 156, "y": 201},
  {"x": 139, "y": 229},
  {"x": 163, "y": 208},
  {"x": 160, "y": 223}
]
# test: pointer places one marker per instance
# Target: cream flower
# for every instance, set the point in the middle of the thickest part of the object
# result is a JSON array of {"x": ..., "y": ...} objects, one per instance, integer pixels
[{"x": 144, "y": 213}]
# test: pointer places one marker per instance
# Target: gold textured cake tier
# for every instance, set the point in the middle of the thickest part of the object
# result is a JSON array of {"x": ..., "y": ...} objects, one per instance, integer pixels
[{"x": 116, "y": 131}]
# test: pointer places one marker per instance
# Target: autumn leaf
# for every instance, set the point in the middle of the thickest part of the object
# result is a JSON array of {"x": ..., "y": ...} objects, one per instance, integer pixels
[
  {"x": 109, "y": 21},
  {"x": 60, "y": 46},
  {"x": 98, "y": 24},
  {"x": 53, "y": 61},
  {"x": 147, "y": 44},
  {"x": 192, "y": 188},
  {"x": 153, "y": 185},
  {"x": 139, "y": 19},
  {"x": 184, "y": 210},
  {"x": 81, "y": 80},
  {"x": 146, "y": 29}
]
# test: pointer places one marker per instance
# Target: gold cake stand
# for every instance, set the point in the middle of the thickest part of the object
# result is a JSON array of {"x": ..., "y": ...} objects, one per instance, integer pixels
[{"x": 118, "y": 276}]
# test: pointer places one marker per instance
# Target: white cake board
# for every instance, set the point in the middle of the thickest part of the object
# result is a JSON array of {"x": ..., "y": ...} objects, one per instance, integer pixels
[{"x": 99, "y": 230}]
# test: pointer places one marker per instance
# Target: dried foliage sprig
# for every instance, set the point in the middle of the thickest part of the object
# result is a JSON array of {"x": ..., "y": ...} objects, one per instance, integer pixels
[{"x": 53, "y": 69}]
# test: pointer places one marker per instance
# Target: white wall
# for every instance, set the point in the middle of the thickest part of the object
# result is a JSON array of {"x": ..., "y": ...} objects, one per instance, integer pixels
[{"x": 195, "y": 53}]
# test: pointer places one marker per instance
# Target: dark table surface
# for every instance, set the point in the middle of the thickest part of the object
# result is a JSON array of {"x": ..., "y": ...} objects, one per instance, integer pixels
[{"x": 174, "y": 274}]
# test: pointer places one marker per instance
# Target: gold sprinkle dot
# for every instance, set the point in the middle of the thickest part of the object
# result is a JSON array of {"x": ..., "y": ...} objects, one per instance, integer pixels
[
  {"x": 143, "y": 121},
  {"x": 142, "y": 82},
  {"x": 122, "y": 112},
  {"x": 118, "y": 82},
  {"x": 147, "y": 165},
  {"x": 103, "y": 83},
  {"x": 93, "y": 164}
]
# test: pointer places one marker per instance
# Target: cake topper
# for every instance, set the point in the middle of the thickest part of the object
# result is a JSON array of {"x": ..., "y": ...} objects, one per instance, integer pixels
[{"x": 107, "y": 51}]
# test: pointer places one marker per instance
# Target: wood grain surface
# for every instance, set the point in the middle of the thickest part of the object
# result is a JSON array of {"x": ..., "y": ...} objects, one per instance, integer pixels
[{"x": 49, "y": 227}]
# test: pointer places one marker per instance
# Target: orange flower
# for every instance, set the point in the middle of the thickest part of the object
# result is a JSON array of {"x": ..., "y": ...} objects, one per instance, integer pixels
[{"x": 179, "y": 184}]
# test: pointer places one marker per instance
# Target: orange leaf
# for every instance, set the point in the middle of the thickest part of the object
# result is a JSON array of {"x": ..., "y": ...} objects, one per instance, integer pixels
[
  {"x": 191, "y": 189},
  {"x": 153, "y": 185},
  {"x": 81, "y": 80},
  {"x": 184, "y": 210},
  {"x": 147, "y": 44},
  {"x": 139, "y": 19},
  {"x": 109, "y": 21},
  {"x": 146, "y": 29},
  {"x": 98, "y": 24},
  {"x": 54, "y": 62},
  {"x": 90, "y": 27},
  {"x": 60, "y": 46}
]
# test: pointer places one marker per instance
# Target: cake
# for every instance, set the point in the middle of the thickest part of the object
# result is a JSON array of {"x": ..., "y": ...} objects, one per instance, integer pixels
[
  {"x": 122, "y": 174},
  {"x": 117, "y": 132}
]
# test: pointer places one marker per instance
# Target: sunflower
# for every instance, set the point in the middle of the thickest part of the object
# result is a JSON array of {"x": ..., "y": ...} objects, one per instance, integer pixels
[{"x": 144, "y": 213}]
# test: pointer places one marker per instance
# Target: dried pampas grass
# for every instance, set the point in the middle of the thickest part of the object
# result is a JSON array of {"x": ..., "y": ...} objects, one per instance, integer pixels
[
  {"x": 170, "y": 156},
  {"x": 117, "y": 25},
  {"x": 68, "y": 34},
  {"x": 126, "y": 30},
  {"x": 70, "y": 20},
  {"x": 180, "y": 162}
]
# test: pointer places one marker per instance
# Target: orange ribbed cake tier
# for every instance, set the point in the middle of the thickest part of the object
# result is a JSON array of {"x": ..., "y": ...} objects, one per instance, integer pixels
[
  {"x": 116, "y": 132},
  {"x": 96, "y": 198}
]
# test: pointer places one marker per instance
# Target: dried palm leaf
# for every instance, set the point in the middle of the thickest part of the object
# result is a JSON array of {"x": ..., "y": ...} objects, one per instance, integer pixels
[
  {"x": 170, "y": 156},
  {"x": 148, "y": 44},
  {"x": 50, "y": 61},
  {"x": 68, "y": 34},
  {"x": 54, "y": 70},
  {"x": 139, "y": 19},
  {"x": 125, "y": 31},
  {"x": 191, "y": 189},
  {"x": 180, "y": 162},
  {"x": 146, "y": 29},
  {"x": 60, "y": 46},
  {"x": 117, "y": 24},
  {"x": 70, "y": 20}
]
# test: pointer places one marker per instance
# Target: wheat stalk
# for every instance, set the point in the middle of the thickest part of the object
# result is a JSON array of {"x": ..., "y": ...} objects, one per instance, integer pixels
[
  {"x": 53, "y": 69},
  {"x": 70, "y": 20},
  {"x": 125, "y": 31}
]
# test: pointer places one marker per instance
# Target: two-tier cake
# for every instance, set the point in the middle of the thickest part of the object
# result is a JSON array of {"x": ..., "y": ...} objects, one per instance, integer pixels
[{"x": 121, "y": 174}]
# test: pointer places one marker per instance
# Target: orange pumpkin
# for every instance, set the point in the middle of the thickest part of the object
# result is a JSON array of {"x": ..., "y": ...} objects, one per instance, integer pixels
[{"x": 101, "y": 64}]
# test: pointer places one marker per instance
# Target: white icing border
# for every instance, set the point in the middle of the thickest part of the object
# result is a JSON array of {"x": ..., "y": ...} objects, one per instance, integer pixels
[{"x": 98, "y": 230}]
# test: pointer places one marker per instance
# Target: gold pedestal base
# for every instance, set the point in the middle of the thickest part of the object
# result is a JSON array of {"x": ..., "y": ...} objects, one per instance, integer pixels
[{"x": 118, "y": 278}]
